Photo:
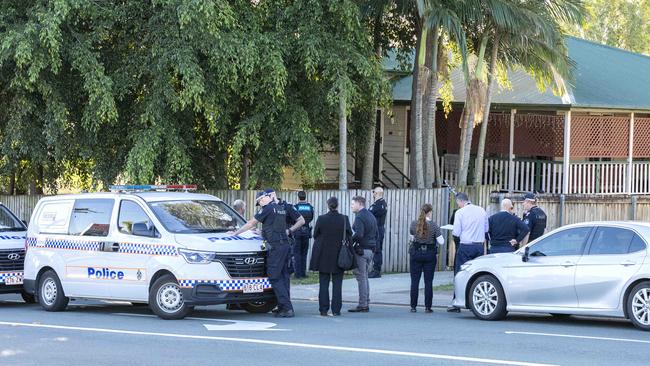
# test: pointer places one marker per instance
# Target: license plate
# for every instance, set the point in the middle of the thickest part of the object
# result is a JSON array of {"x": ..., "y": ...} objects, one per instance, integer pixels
[
  {"x": 13, "y": 280},
  {"x": 250, "y": 288}
]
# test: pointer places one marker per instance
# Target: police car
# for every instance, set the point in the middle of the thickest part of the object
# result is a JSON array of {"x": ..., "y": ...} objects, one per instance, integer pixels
[
  {"x": 145, "y": 244},
  {"x": 12, "y": 254}
]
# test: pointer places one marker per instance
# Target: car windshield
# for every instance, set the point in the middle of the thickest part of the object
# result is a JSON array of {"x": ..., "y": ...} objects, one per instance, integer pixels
[
  {"x": 9, "y": 222},
  {"x": 194, "y": 216}
]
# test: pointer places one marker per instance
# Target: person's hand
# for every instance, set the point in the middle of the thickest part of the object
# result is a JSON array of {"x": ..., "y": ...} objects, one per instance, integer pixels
[{"x": 513, "y": 242}]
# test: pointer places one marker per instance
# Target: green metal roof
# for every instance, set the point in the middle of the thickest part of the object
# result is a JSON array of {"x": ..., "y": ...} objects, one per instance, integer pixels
[{"x": 605, "y": 77}]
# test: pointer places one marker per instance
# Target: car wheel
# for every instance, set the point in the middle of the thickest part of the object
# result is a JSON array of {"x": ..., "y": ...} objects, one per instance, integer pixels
[
  {"x": 50, "y": 292},
  {"x": 487, "y": 299},
  {"x": 638, "y": 305},
  {"x": 28, "y": 298},
  {"x": 166, "y": 299},
  {"x": 260, "y": 307}
]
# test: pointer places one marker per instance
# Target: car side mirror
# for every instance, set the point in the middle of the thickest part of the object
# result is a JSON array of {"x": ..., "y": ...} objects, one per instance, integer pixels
[
  {"x": 524, "y": 258},
  {"x": 142, "y": 229}
]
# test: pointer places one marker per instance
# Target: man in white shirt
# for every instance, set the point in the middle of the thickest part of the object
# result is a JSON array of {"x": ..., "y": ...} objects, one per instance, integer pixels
[{"x": 470, "y": 224}]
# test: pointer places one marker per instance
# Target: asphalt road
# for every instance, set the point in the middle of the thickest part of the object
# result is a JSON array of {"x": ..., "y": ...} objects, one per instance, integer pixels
[{"x": 97, "y": 333}]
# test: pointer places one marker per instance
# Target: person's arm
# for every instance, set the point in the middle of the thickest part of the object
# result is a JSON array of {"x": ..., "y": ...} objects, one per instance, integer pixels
[
  {"x": 299, "y": 222},
  {"x": 458, "y": 227},
  {"x": 522, "y": 229},
  {"x": 295, "y": 216},
  {"x": 378, "y": 209},
  {"x": 247, "y": 226},
  {"x": 437, "y": 233}
]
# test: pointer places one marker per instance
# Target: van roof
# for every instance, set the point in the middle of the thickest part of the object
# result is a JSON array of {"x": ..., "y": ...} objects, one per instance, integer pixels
[{"x": 147, "y": 196}]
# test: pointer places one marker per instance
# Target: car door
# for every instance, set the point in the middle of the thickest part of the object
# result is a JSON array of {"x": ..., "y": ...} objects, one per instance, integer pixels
[
  {"x": 89, "y": 268},
  {"x": 137, "y": 238},
  {"x": 547, "y": 279},
  {"x": 613, "y": 256}
]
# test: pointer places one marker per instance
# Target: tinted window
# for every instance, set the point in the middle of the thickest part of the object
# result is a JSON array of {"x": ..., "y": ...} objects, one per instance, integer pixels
[
  {"x": 196, "y": 216},
  {"x": 91, "y": 217},
  {"x": 611, "y": 240},
  {"x": 566, "y": 242},
  {"x": 637, "y": 244},
  {"x": 9, "y": 222},
  {"x": 131, "y": 213}
]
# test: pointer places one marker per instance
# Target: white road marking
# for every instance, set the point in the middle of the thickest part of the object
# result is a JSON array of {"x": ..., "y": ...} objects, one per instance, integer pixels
[
  {"x": 279, "y": 343},
  {"x": 232, "y": 324},
  {"x": 580, "y": 337}
]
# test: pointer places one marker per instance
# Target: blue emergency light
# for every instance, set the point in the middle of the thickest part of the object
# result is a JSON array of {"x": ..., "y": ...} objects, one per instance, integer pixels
[{"x": 148, "y": 187}]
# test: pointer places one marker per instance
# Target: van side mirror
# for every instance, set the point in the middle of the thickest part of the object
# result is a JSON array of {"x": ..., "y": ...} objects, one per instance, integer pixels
[
  {"x": 142, "y": 229},
  {"x": 524, "y": 258}
]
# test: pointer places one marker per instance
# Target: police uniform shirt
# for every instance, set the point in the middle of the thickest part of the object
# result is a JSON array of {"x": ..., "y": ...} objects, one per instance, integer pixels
[
  {"x": 274, "y": 225},
  {"x": 535, "y": 218},
  {"x": 379, "y": 209},
  {"x": 504, "y": 227},
  {"x": 291, "y": 214},
  {"x": 305, "y": 210}
]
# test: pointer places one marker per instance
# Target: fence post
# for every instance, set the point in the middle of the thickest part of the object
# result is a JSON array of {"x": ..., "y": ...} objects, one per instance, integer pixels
[
  {"x": 633, "y": 204},
  {"x": 562, "y": 208}
]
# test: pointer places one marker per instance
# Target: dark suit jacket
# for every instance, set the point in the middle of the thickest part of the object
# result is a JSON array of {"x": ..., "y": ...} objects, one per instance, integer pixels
[{"x": 328, "y": 235}]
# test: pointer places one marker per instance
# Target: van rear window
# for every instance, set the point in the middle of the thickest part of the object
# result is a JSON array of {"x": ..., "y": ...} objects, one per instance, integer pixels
[
  {"x": 196, "y": 216},
  {"x": 91, "y": 217}
]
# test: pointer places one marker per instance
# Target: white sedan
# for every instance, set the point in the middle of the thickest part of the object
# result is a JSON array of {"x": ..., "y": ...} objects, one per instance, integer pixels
[{"x": 595, "y": 268}]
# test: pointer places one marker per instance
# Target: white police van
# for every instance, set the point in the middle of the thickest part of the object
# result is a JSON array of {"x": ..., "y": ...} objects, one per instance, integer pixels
[
  {"x": 169, "y": 249},
  {"x": 12, "y": 254}
]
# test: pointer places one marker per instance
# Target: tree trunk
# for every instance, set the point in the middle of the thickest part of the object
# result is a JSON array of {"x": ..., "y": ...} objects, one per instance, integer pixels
[
  {"x": 244, "y": 178},
  {"x": 414, "y": 91},
  {"x": 432, "y": 171},
  {"x": 467, "y": 149},
  {"x": 486, "y": 115},
  {"x": 40, "y": 179},
  {"x": 367, "y": 174},
  {"x": 343, "y": 143},
  {"x": 417, "y": 148},
  {"x": 12, "y": 183}
]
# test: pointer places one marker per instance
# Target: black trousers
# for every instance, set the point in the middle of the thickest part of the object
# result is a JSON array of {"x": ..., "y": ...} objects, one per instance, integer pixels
[
  {"x": 324, "y": 292},
  {"x": 377, "y": 257},
  {"x": 422, "y": 262},
  {"x": 278, "y": 268},
  {"x": 300, "y": 249}
]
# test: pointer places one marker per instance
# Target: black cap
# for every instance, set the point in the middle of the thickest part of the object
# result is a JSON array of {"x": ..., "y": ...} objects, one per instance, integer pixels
[{"x": 530, "y": 197}]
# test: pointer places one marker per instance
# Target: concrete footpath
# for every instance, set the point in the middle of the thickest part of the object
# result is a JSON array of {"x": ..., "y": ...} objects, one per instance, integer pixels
[{"x": 391, "y": 289}]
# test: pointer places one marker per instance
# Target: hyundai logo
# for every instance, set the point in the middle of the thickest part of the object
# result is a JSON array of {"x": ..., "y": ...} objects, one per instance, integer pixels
[
  {"x": 13, "y": 256},
  {"x": 250, "y": 261}
]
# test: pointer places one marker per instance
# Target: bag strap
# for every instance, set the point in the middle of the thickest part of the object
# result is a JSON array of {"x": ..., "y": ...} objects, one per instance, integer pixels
[{"x": 344, "y": 227}]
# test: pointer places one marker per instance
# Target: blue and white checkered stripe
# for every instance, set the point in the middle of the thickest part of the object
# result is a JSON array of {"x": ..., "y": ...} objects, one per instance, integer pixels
[
  {"x": 227, "y": 285},
  {"x": 148, "y": 249},
  {"x": 95, "y": 246},
  {"x": 5, "y": 275}
]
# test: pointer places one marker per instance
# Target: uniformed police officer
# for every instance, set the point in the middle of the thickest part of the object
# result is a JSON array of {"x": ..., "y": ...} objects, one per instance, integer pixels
[
  {"x": 506, "y": 230},
  {"x": 534, "y": 217},
  {"x": 294, "y": 222},
  {"x": 275, "y": 235},
  {"x": 379, "y": 210},
  {"x": 302, "y": 235}
]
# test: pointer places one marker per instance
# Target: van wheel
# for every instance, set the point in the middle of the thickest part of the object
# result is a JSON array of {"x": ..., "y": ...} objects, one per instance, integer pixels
[
  {"x": 166, "y": 299},
  {"x": 28, "y": 298},
  {"x": 638, "y": 305},
  {"x": 260, "y": 307},
  {"x": 50, "y": 292},
  {"x": 487, "y": 299}
]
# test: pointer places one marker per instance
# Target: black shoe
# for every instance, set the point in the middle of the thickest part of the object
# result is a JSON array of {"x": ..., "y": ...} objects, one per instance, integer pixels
[
  {"x": 374, "y": 274},
  {"x": 336, "y": 314},
  {"x": 414, "y": 310},
  {"x": 453, "y": 309},
  {"x": 359, "y": 310},
  {"x": 428, "y": 311},
  {"x": 275, "y": 311},
  {"x": 285, "y": 314},
  {"x": 323, "y": 313}
]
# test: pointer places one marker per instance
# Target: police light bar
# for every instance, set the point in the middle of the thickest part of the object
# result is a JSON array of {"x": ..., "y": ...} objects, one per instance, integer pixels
[{"x": 146, "y": 187}]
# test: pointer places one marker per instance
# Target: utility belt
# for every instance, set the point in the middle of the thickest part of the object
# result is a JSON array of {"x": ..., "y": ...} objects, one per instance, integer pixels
[{"x": 423, "y": 247}]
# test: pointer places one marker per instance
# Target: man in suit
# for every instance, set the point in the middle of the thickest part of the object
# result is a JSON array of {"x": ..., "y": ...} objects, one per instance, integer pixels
[{"x": 364, "y": 239}]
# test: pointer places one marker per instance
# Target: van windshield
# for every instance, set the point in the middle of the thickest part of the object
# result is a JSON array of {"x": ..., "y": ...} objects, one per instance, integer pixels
[
  {"x": 9, "y": 222},
  {"x": 194, "y": 216}
]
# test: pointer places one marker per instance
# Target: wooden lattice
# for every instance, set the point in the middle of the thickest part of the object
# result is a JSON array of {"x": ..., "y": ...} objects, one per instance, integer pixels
[
  {"x": 498, "y": 134},
  {"x": 600, "y": 136},
  {"x": 641, "y": 137},
  {"x": 539, "y": 135}
]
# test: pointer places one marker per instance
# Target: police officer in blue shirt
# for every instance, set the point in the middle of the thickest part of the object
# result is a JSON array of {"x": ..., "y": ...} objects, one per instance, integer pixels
[
  {"x": 275, "y": 235},
  {"x": 534, "y": 217},
  {"x": 294, "y": 222},
  {"x": 379, "y": 210},
  {"x": 506, "y": 230},
  {"x": 302, "y": 235}
]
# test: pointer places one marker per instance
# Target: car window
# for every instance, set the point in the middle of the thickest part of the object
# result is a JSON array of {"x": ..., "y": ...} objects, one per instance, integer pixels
[
  {"x": 637, "y": 244},
  {"x": 566, "y": 242},
  {"x": 131, "y": 213},
  {"x": 611, "y": 240},
  {"x": 9, "y": 222},
  {"x": 91, "y": 217}
]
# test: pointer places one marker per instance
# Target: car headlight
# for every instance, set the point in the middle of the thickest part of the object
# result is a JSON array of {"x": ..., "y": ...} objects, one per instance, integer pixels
[
  {"x": 197, "y": 257},
  {"x": 465, "y": 266}
]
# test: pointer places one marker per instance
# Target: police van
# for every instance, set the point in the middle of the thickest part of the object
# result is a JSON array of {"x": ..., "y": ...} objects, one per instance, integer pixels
[
  {"x": 12, "y": 254},
  {"x": 145, "y": 244}
]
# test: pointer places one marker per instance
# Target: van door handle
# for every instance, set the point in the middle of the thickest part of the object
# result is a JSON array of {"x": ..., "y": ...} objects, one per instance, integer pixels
[
  {"x": 568, "y": 264},
  {"x": 628, "y": 263},
  {"x": 111, "y": 247}
]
